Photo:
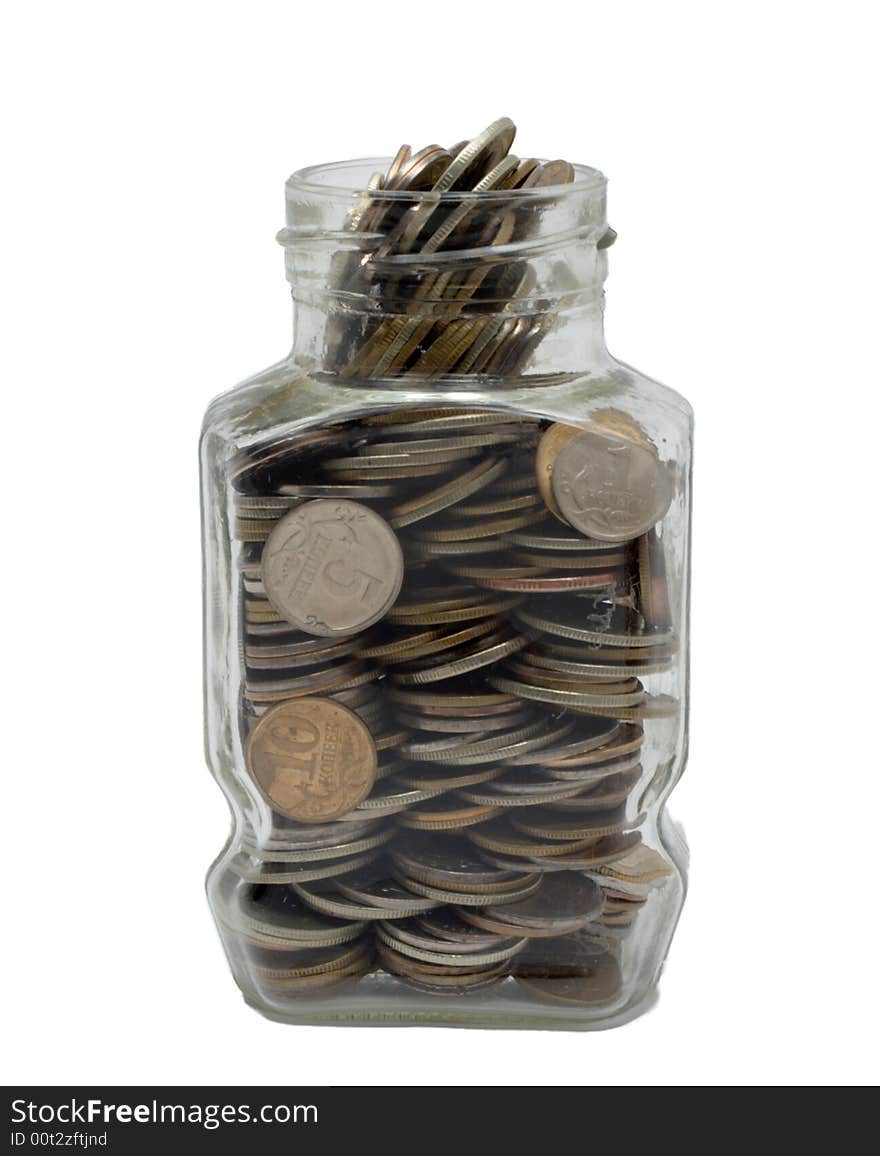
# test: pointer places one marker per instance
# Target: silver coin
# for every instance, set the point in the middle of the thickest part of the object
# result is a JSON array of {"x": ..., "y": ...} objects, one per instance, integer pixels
[
  {"x": 519, "y": 792},
  {"x": 276, "y": 915},
  {"x": 468, "y": 898},
  {"x": 317, "y": 854},
  {"x": 340, "y": 491},
  {"x": 374, "y": 887},
  {"x": 449, "y": 959},
  {"x": 255, "y": 871},
  {"x": 439, "y": 860},
  {"x": 593, "y": 774},
  {"x": 570, "y": 827},
  {"x": 416, "y": 933},
  {"x": 591, "y": 734},
  {"x": 446, "y": 925},
  {"x": 564, "y": 902},
  {"x": 336, "y": 904},
  {"x": 332, "y": 567},
  {"x": 608, "y": 488},
  {"x": 388, "y": 799},
  {"x": 301, "y": 836}
]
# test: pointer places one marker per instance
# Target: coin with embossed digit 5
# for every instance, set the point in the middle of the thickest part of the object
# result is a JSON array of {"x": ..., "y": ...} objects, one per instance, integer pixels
[
  {"x": 332, "y": 568},
  {"x": 312, "y": 758}
]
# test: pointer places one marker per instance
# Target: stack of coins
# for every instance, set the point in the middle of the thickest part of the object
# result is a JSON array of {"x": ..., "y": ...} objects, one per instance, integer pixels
[{"x": 450, "y": 624}]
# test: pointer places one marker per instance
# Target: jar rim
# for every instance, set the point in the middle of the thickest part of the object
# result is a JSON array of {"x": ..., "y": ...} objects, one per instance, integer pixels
[{"x": 325, "y": 180}]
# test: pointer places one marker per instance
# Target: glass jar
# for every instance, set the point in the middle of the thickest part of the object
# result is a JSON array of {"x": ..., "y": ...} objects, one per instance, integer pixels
[{"x": 446, "y": 596}]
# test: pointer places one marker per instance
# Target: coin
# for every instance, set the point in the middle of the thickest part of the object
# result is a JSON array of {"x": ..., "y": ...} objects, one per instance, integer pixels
[
  {"x": 636, "y": 872},
  {"x": 609, "y": 488},
  {"x": 444, "y": 860},
  {"x": 519, "y": 889},
  {"x": 315, "y": 984},
  {"x": 417, "y": 933},
  {"x": 312, "y": 759},
  {"x": 454, "y": 749},
  {"x": 553, "y": 439},
  {"x": 441, "y": 814},
  {"x": 399, "y": 964},
  {"x": 500, "y": 836},
  {"x": 585, "y": 624},
  {"x": 444, "y": 779},
  {"x": 341, "y": 906},
  {"x": 587, "y": 855},
  {"x": 565, "y": 902},
  {"x": 306, "y": 961},
  {"x": 614, "y": 704},
  {"x": 332, "y": 567},
  {"x": 598, "y": 982},
  {"x": 541, "y": 824},
  {"x": 447, "y": 959},
  {"x": 589, "y": 735},
  {"x": 485, "y": 652},
  {"x": 257, "y": 870},
  {"x": 525, "y": 797},
  {"x": 471, "y": 482},
  {"x": 275, "y": 916},
  {"x": 375, "y": 887},
  {"x": 361, "y": 492},
  {"x": 611, "y": 791},
  {"x": 653, "y": 585},
  {"x": 389, "y": 799},
  {"x": 318, "y": 854},
  {"x": 501, "y": 684},
  {"x": 445, "y": 924},
  {"x": 558, "y": 539}
]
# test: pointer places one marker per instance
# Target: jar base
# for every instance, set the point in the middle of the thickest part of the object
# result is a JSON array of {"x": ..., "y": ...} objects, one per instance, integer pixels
[{"x": 416, "y": 1014}]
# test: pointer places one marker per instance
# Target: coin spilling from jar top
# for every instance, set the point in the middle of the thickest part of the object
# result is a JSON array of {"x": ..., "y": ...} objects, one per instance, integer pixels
[{"x": 455, "y": 631}]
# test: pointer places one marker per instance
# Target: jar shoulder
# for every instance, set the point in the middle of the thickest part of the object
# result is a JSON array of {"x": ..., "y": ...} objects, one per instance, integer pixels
[
  {"x": 653, "y": 392},
  {"x": 287, "y": 395}
]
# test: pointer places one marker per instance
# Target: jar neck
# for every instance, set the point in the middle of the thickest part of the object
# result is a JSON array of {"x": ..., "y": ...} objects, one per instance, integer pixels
[{"x": 469, "y": 290}]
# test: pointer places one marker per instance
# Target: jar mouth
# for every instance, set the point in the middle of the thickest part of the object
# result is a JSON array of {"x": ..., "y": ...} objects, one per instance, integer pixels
[{"x": 348, "y": 178}]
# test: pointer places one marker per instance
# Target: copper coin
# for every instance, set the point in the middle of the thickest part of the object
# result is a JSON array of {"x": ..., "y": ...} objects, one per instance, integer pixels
[
  {"x": 596, "y": 981},
  {"x": 312, "y": 758}
]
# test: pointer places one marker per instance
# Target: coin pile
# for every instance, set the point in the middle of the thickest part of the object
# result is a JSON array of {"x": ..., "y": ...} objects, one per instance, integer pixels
[
  {"x": 432, "y": 323},
  {"x": 449, "y": 623}
]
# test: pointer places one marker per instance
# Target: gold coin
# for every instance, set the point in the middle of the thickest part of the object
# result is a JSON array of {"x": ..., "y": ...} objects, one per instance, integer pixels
[
  {"x": 402, "y": 617},
  {"x": 501, "y": 505},
  {"x": 482, "y": 655},
  {"x": 640, "y": 867},
  {"x": 446, "y": 816},
  {"x": 428, "y": 642},
  {"x": 446, "y": 495},
  {"x": 549, "y": 447},
  {"x": 401, "y": 159},
  {"x": 468, "y": 531},
  {"x": 653, "y": 587},
  {"x": 313, "y": 759},
  {"x": 432, "y": 779}
]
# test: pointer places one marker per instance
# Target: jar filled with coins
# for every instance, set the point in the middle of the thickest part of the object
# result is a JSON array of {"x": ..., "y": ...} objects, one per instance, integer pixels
[{"x": 446, "y": 593}]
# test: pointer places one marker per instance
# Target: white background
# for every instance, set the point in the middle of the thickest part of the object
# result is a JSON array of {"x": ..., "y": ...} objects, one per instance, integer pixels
[{"x": 145, "y": 153}]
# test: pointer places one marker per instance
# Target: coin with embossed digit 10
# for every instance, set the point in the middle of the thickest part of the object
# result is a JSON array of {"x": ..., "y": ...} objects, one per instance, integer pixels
[
  {"x": 313, "y": 759},
  {"x": 332, "y": 568}
]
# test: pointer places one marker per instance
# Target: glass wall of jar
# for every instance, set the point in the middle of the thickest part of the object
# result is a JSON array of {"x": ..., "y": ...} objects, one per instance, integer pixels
[{"x": 446, "y": 575}]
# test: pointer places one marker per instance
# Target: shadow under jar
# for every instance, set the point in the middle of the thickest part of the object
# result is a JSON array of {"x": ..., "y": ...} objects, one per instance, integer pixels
[{"x": 446, "y": 591}]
